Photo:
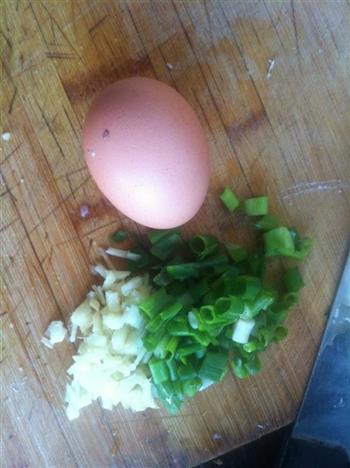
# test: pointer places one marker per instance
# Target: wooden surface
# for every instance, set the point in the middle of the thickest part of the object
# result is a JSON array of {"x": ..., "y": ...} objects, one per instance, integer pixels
[{"x": 285, "y": 133}]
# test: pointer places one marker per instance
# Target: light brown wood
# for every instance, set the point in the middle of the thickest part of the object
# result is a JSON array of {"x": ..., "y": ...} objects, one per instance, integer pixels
[{"x": 284, "y": 133}]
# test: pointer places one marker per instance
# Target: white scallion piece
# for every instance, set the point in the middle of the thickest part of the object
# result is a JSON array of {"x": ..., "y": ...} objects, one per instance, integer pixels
[
  {"x": 242, "y": 331},
  {"x": 192, "y": 320},
  {"x": 99, "y": 270},
  {"x": 123, "y": 254}
]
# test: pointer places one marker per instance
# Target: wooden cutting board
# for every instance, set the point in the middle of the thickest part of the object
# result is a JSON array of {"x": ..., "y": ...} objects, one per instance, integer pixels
[{"x": 270, "y": 84}]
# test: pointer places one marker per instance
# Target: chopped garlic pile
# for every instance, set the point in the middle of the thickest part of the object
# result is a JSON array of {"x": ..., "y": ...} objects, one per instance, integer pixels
[{"x": 110, "y": 363}]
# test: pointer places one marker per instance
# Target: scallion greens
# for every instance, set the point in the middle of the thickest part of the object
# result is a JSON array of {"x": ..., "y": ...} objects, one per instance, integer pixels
[{"x": 212, "y": 307}]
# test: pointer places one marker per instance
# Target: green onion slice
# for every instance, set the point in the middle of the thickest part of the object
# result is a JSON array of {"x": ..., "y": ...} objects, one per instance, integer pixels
[
  {"x": 229, "y": 199},
  {"x": 214, "y": 366},
  {"x": 203, "y": 246},
  {"x": 257, "y": 206}
]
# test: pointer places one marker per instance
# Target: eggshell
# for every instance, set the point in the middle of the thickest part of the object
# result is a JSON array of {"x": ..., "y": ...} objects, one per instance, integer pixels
[{"x": 147, "y": 152}]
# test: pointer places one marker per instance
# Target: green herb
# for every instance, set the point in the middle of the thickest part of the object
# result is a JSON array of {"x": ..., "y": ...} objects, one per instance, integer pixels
[
  {"x": 119, "y": 236},
  {"x": 191, "y": 386},
  {"x": 236, "y": 252},
  {"x": 170, "y": 395},
  {"x": 159, "y": 371},
  {"x": 203, "y": 246},
  {"x": 303, "y": 247},
  {"x": 166, "y": 245},
  {"x": 267, "y": 222},
  {"x": 171, "y": 345},
  {"x": 214, "y": 366},
  {"x": 229, "y": 199},
  {"x": 257, "y": 206},
  {"x": 172, "y": 368},
  {"x": 279, "y": 241},
  {"x": 156, "y": 235},
  {"x": 212, "y": 307},
  {"x": 293, "y": 280},
  {"x": 155, "y": 303}
]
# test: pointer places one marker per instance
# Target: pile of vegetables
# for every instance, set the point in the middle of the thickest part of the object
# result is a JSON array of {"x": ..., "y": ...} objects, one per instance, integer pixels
[
  {"x": 183, "y": 314},
  {"x": 212, "y": 308}
]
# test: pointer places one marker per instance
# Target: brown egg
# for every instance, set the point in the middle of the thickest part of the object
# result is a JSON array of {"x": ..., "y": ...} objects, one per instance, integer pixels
[{"x": 147, "y": 152}]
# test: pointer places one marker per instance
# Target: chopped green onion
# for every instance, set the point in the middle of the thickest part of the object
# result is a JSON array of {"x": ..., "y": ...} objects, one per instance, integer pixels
[
  {"x": 229, "y": 308},
  {"x": 179, "y": 327},
  {"x": 166, "y": 245},
  {"x": 171, "y": 345},
  {"x": 172, "y": 367},
  {"x": 257, "y": 206},
  {"x": 293, "y": 280},
  {"x": 191, "y": 386},
  {"x": 256, "y": 264},
  {"x": 213, "y": 366},
  {"x": 266, "y": 335},
  {"x": 143, "y": 261},
  {"x": 155, "y": 235},
  {"x": 212, "y": 302},
  {"x": 192, "y": 319},
  {"x": 159, "y": 370},
  {"x": 170, "y": 311},
  {"x": 303, "y": 247},
  {"x": 203, "y": 246},
  {"x": 155, "y": 324},
  {"x": 236, "y": 252},
  {"x": 119, "y": 236},
  {"x": 182, "y": 271},
  {"x": 223, "y": 285},
  {"x": 186, "y": 371},
  {"x": 198, "y": 289},
  {"x": 162, "y": 278},
  {"x": 170, "y": 396},
  {"x": 251, "y": 346},
  {"x": 190, "y": 349},
  {"x": 280, "y": 333},
  {"x": 218, "y": 260},
  {"x": 186, "y": 299},
  {"x": 264, "y": 299},
  {"x": 247, "y": 287},
  {"x": 253, "y": 365},
  {"x": 279, "y": 241},
  {"x": 267, "y": 222},
  {"x": 242, "y": 331},
  {"x": 286, "y": 302},
  {"x": 245, "y": 368},
  {"x": 229, "y": 199},
  {"x": 222, "y": 305},
  {"x": 204, "y": 338},
  {"x": 155, "y": 303},
  {"x": 239, "y": 368},
  {"x": 151, "y": 340},
  {"x": 294, "y": 234},
  {"x": 160, "y": 350},
  {"x": 207, "y": 314},
  {"x": 176, "y": 288}
]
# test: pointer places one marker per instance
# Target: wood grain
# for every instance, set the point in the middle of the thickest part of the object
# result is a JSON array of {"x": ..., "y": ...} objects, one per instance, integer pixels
[{"x": 286, "y": 135}]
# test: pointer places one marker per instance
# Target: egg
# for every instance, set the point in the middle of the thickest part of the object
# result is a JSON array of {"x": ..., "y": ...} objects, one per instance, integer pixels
[{"x": 147, "y": 152}]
